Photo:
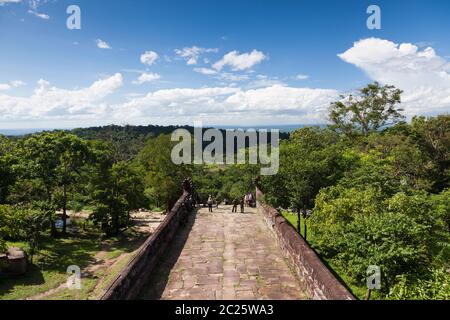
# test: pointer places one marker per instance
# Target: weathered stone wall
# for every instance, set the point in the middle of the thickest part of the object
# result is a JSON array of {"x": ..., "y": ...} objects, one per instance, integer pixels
[
  {"x": 133, "y": 277},
  {"x": 319, "y": 281}
]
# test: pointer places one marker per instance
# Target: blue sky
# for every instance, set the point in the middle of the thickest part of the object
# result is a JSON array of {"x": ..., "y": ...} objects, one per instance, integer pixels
[{"x": 222, "y": 62}]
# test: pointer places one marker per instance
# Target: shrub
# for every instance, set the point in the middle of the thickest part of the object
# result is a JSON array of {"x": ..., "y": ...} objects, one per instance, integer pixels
[
  {"x": 357, "y": 228},
  {"x": 25, "y": 224},
  {"x": 392, "y": 241},
  {"x": 435, "y": 287}
]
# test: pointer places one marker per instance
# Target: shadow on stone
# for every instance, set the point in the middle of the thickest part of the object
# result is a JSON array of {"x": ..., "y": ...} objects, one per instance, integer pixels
[{"x": 158, "y": 280}]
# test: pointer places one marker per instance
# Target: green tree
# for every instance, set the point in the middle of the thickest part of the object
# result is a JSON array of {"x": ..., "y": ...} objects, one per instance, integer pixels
[
  {"x": 374, "y": 107},
  {"x": 432, "y": 136},
  {"x": 162, "y": 178},
  {"x": 360, "y": 227},
  {"x": 309, "y": 160},
  {"x": 26, "y": 223},
  {"x": 7, "y": 174},
  {"x": 73, "y": 153},
  {"x": 117, "y": 189},
  {"x": 51, "y": 162}
]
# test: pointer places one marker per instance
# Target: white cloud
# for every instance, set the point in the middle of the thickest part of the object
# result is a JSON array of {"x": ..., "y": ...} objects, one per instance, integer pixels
[
  {"x": 227, "y": 76},
  {"x": 239, "y": 61},
  {"x": 264, "y": 81},
  {"x": 192, "y": 54},
  {"x": 205, "y": 71},
  {"x": 52, "y": 102},
  {"x": 147, "y": 77},
  {"x": 4, "y": 2},
  {"x": 39, "y": 15},
  {"x": 301, "y": 77},
  {"x": 178, "y": 105},
  {"x": 102, "y": 44},
  {"x": 422, "y": 74},
  {"x": 283, "y": 99},
  {"x": 149, "y": 58},
  {"x": 34, "y": 4},
  {"x": 216, "y": 102},
  {"x": 5, "y": 86},
  {"x": 11, "y": 84}
]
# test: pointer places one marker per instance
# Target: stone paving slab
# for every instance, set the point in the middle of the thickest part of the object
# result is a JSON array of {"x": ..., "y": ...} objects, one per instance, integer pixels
[{"x": 224, "y": 256}]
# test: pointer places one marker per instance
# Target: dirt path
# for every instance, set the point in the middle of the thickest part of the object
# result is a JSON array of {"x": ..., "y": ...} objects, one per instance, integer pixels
[{"x": 144, "y": 222}]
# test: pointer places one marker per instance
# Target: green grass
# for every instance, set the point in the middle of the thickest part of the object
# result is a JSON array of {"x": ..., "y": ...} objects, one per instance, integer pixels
[
  {"x": 50, "y": 265},
  {"x": 55, "y": 255},
  {"x": 292, "y": 218}
]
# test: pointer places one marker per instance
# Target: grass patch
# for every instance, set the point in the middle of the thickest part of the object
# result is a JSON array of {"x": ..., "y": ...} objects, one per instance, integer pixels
[
  {"x": 55, "y": 255},
  {"x": 292, "y": 219}
]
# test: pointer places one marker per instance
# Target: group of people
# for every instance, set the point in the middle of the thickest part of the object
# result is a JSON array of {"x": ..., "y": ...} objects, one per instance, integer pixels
[{"x": 247, "y": 200}]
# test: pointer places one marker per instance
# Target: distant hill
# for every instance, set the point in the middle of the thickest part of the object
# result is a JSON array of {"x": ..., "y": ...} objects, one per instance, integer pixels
[{"x": 129, "y": 139}]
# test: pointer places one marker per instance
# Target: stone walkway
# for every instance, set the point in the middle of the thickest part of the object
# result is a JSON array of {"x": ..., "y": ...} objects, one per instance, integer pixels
[{"x": 224, "y": 256}]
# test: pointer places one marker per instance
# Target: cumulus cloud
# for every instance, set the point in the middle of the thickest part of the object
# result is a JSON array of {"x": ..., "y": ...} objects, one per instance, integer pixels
[
  {"x": 239, "y": 62},
  {"x": 51, "y": 102},
  {"x": 216, "y": 102},
  {"x": 149, "y": 58},
  {"x": 147, "y": 77},
  {"x": 102, "y": 44},
  {"x": 211, "y": 104},
  {"x": 11, "y": 84},
  {"x": 422, "y": 74},
  {"x": 192, "y": 54},
  {"x": 5, "y": 86}
]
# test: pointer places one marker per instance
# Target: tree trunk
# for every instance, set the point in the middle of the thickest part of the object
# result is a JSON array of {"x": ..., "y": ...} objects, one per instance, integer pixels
[
  {"x": 305, "y": 227},
  {"x": 53, "y": 231},
  {"x": 64, "y": 217},
  {"x": 369, "y": 292},
  {"x": 298, "y": 222}
]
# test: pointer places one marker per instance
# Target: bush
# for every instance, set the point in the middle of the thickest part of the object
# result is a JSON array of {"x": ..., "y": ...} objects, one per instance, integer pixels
[
  {"x": 335, "y": 208},
  {"x": 26, "y": 224},
  {"x": 357, "y": 228},
  {"x": 392, "y": 241},
  {"x": 435, "y": 287}
]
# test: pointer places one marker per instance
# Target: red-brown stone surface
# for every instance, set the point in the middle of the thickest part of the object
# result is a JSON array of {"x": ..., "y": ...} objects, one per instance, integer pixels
[{"x": 224, "y": 256}]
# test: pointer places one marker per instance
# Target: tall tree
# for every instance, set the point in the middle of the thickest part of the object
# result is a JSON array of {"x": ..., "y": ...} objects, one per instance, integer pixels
[
  {"x": 54, "y": 159},
  {"x": 117, "y": 190},
  {"x": 162, "y": 177},
  {"x": 73, "y": 154},
  {"x": 7, "y": 174},
  {"x": 374, "y": 107}
]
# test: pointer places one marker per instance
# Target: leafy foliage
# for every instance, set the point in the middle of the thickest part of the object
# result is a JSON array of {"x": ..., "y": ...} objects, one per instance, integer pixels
[
  {"x": 374, "y": 108},
  {"x": 435, "y": 287}
]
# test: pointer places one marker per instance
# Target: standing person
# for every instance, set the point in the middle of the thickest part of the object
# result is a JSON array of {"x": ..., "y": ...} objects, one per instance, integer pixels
[
  {"x": 250, "y": 200},
  {"x": 210, "y": 203},
  {"x": 242, "y": 204},
  {"x": 235, "y": 204}
]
